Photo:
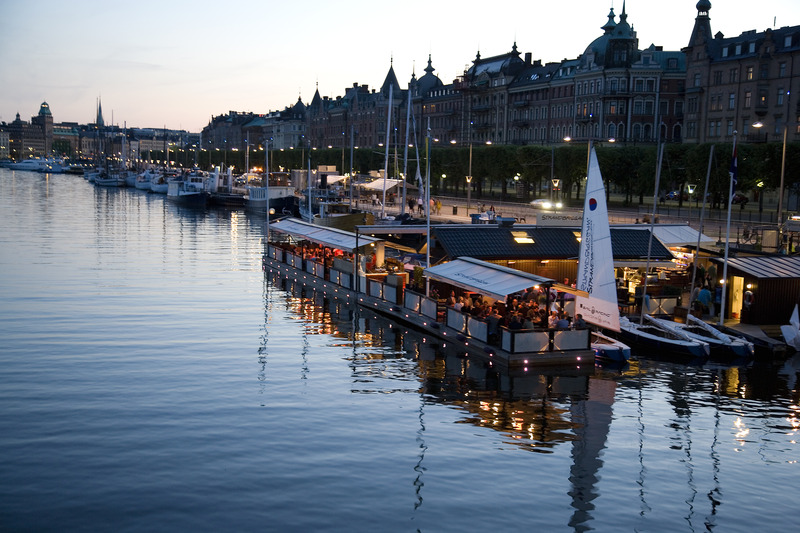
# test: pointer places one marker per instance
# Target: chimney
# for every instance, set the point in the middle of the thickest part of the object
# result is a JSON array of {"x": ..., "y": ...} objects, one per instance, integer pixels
[{"x": 528, "y": 58}]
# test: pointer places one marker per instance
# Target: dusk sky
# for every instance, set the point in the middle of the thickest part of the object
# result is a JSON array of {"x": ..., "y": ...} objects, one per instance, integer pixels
[{"x": 177, "y": 63}]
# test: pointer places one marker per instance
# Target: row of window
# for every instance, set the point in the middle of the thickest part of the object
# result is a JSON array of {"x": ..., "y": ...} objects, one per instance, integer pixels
[{"x": 733, "y": 74}]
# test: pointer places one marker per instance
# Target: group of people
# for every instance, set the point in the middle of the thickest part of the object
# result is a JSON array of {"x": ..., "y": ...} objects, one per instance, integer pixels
[{"x": 528, "y": 310}]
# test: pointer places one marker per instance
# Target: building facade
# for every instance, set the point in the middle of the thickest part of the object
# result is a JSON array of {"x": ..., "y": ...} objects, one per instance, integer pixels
[{"x": 741, "y": 84}]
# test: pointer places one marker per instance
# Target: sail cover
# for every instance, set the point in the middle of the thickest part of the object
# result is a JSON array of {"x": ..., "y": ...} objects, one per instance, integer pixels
[{"x": 596, "y": 259}]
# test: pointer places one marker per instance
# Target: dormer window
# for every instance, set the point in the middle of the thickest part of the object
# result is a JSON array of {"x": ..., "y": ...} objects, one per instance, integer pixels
[
  {"x": 787, "y": 41},
  {"x": 752, "y": 48},
  {"x": 738, "y": 49},
  {"x": 725, "y": 52}
]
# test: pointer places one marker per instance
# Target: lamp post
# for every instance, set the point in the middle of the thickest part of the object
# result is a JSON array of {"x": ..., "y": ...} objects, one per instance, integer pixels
[
  {"x": 441, "y": 183},
  {"x": 691, "y": 187},
  {"x": 469, "y": 171}
]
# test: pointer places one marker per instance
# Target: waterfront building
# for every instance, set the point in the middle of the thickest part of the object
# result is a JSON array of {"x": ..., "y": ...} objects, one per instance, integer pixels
[{"x": 741, "y": 83}]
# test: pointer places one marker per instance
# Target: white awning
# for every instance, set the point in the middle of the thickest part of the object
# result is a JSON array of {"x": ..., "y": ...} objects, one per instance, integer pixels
[
  {"x": 485, "y": 278},
  {"x": 335, "y": 238},
  {"x": 379, "y": 184}
]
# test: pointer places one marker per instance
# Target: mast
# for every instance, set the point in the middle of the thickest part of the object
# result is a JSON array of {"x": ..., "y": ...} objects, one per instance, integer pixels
[
  {"x": 731, "y": 186},
  {"x": 405, "y": 156},
  {"x": 428, "y": 208},
  {"x": 652, "y": 224},
  {"x": 700, "y": 229},
  {"x": 386, "y": 159}
]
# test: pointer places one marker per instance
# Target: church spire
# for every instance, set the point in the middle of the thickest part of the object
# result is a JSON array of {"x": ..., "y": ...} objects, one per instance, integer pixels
[{"x": 99, "y": 120}]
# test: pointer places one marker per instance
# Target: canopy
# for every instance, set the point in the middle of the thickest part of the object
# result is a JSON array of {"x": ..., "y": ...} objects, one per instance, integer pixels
[
  {"x": 378, "y": 184},
  {"x": 485, "y": 278},
  {"x": 335, "y": 238}
]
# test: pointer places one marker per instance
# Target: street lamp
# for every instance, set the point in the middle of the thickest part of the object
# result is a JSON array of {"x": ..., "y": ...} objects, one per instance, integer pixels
[
  {"x": 441, "y": 183},
  {"x": 691, "y": 187}
]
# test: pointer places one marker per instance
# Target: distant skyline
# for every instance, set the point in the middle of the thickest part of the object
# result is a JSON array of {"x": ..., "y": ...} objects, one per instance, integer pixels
[{"x": 176, "y": 64}]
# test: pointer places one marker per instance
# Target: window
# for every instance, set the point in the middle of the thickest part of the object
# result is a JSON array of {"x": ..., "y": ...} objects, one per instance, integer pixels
[
  {"x": 730, "y": 127},
  {"x": 764, "y": 71},
  {"x": 749, "y": 73},
  {"x": 752, "y": 48},
  {"x": 782, "y": 69},
  {"x": 747, "y": 99},
  {"x": 663, "y": 108},
  {"x": 718, "y": 77},
  {"x": 762, "y": 97},
  {"x": 691, "y": 130},
  {"x": 622, "y": 107},
  {"x": 691, "y": 104},
  {"x": 725, "y": 52},
  {"x": 651, "y": 85},
  {"x": 637, "y": 107},
  {"x": 678, "y": 108},
  {"x": 780, "y": 97},
  {"x": 697, "y": 79},
  {"x": 639, "y": 86},
  {"x": 733, "y": 75},
  {"x": 648, "y": 108},
  {"x": 787, "y": 41},
  {"x": 732, "y": 101},
  {"x": 738, "y": 49}
]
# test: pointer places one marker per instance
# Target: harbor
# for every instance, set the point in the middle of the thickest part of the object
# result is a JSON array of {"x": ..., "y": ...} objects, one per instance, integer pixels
[{"x": 176, "y": 376}]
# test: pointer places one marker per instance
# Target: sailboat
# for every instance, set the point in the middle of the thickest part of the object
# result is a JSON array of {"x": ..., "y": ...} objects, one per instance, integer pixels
[
  {"x": 722, "y": 345},
  {"x": 791, "y": 333},
  {"x": 596, "y": 269}
]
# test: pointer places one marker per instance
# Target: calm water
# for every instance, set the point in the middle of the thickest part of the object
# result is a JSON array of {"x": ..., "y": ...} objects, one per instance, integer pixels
[{"x": 153, "y": 380}]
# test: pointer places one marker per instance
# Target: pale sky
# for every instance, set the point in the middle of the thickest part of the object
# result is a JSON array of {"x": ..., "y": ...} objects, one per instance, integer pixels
[{"x": 175, "y": 63}]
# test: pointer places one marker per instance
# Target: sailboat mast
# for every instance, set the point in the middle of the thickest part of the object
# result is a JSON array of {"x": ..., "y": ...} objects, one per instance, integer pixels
[
  {"x": 386, "y": 158},
  {"x": 734, "y": 170},
  {"x": 700, "y": 229},
  {"x": 405, "y": 156},
  {"x": 652, "y": 225}
]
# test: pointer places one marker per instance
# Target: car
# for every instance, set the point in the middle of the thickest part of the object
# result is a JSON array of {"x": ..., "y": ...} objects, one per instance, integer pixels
[
  {"x": 543, "y": 203},
  {"x": 674, "y": 195},
  {"x": 739, "y": 199}
]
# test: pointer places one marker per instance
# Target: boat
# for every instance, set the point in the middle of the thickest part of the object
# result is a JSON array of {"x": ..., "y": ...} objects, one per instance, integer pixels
[
  {"x": 38, "y": 164},
  {"x": 596, "y": 270},
  {"x": 75, "y": 169},
  {"x": 791, "y": 333},
  {"x": 110, "y": 178},
  {"x": 656, "y": 340},
  {"x": 186, "y": 193},
  {"x": 221, "y": 192},
  {"x": 279, "y": 190},
  {"x": 144, "y": 179},
  {"x": 722, "y": 345}
]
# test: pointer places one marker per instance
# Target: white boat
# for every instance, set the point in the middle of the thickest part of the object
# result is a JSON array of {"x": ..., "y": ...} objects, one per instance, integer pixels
[
  {"x": 791, "y": 333},
  {"x": 186, "y": 193},
  {"x": 721, "y": 344},
  {"x": 143, "y": 180},
  {"x": 38, "y": 164},
  {"x": 596, "y": 270},
  {"x": 656, "y": 340},
  {"x": 114, "y": 178}
]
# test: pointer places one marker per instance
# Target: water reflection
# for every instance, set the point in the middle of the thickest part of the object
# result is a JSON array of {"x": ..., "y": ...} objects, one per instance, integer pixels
[{"x": 703, "y": 414}]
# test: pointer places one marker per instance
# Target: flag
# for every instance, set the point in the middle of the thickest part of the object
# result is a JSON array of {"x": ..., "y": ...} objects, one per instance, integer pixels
[{"x": 734, "y": 171}]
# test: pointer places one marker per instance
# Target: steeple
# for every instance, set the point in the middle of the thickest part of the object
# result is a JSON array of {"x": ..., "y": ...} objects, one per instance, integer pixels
[
  {"x": 99, "y": 120},
  {"x": 391, "y": 80},
  {"x": 701, "y": 33},
  {"x": 609, "y": 26}
]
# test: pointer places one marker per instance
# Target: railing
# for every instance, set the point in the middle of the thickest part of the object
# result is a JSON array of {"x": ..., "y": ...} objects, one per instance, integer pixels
[{"x": 512, "y": 341}]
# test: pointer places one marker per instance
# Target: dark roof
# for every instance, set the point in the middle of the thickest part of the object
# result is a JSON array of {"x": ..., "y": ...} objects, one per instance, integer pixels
[
  {"x": 764, "y": 267},
  {"x": 492, "y": 242}
]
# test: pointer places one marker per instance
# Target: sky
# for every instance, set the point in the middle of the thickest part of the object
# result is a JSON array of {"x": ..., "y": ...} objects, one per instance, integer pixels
[{"x": 176, "y": 63}]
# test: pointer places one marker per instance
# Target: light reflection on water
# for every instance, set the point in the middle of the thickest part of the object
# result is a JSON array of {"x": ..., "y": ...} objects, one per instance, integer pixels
[{"x": 152, "y": 378}]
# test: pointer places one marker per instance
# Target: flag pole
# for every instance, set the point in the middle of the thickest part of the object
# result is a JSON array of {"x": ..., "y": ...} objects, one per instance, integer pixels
[{"x": 731, "y": 187}]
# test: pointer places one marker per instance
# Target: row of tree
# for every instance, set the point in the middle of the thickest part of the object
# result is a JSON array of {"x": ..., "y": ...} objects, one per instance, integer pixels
[{"x": 627, "y": 169}]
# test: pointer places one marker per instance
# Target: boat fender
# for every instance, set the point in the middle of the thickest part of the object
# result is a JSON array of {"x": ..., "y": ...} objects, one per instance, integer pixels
[{"x": 748, "y": 299}]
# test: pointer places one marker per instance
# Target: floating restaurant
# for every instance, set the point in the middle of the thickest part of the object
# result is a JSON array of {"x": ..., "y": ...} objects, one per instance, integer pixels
[{"x": 382, "y": 267}]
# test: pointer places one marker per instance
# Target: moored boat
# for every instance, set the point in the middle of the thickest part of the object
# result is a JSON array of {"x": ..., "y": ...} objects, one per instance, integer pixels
[
  {"x": 652, "y": 339},
  {"x": 721, "y": 345},
  {"x": 185, "y": 193}
]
